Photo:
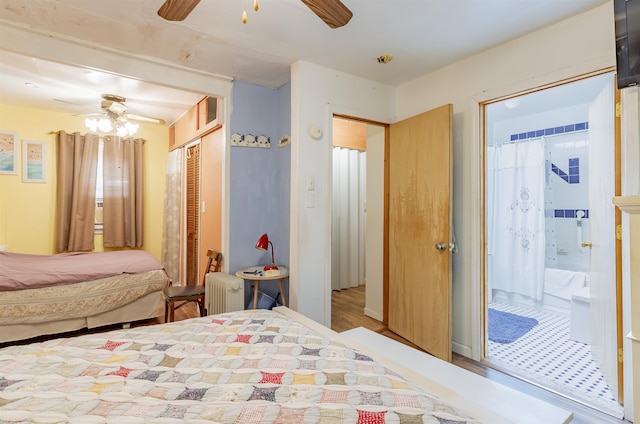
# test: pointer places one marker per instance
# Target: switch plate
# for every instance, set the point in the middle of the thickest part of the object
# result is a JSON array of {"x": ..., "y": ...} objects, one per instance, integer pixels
[
  {"x": 311, "y": 184},
  {"x": 310, "y": 200}
]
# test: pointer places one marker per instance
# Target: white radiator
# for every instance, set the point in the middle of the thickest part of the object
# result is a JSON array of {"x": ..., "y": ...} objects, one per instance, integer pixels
[{"x": 223, "y": 293}]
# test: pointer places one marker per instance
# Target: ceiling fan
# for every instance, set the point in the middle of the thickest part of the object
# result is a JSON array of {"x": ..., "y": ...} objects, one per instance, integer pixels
[
  {"x": 114, "y": 117},
  {"x": 332, "y": 12},
  {"x": 114, "y": 107}
]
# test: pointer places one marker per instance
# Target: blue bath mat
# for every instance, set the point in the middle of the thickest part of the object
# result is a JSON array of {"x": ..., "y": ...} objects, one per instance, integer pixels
[{"x": 507, "y": 328}]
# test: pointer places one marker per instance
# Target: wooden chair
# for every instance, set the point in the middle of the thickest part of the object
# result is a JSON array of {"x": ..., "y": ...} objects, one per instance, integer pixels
[{"x": 186, "y": 294}]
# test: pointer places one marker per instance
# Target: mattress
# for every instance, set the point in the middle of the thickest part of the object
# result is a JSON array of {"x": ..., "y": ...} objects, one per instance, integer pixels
[
  {"x": 241, "y": 367},
  {"x": 19, "y": 271},
  {"x": 69, "y": 301}
]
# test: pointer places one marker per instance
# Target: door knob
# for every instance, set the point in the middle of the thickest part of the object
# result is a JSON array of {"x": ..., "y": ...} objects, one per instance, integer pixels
[
  {"x": 585, "y": 244},
  {"x": 441, "y": 246}
]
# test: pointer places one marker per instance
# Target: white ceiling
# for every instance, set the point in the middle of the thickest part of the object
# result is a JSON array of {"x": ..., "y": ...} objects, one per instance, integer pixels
[{"x": 422, "y": 35}]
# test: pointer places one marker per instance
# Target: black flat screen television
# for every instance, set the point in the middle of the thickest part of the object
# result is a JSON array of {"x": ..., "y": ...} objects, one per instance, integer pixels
[{"x": 627, "y": 26}]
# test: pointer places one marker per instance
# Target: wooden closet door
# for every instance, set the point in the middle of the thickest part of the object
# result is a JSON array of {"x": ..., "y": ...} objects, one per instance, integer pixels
[
  {"x": 192, "y": 218},
  {"x": 212, "y": 158}
]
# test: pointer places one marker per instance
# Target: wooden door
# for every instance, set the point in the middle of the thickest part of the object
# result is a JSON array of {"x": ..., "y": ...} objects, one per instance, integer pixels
[
  {"x": 192, "y": 214},
  {"x": 212, "y": 159},
  {"x": 420, "y": 216}
]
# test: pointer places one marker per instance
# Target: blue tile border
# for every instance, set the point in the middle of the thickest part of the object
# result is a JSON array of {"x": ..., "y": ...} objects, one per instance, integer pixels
[
  {"x": 578, "y": 126},
  {"x": 573, "y": 177},
  {"x": 569, "y": 213}
]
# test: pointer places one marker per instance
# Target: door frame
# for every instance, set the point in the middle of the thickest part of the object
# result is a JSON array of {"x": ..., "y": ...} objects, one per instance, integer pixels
[
  {"x": 385, "y": 247},
  {"x": 479, "y": 348}
]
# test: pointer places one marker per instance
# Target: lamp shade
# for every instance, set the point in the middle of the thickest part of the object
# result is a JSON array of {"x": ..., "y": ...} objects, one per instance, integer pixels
[{"x": 263, "y": 244}]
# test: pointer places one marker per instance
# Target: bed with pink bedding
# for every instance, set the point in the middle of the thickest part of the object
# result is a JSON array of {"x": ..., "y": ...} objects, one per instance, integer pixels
[{"x": 48, "y": 294}]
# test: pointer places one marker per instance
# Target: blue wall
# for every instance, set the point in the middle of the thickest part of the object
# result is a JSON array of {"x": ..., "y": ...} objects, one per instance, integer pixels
[{"x": 259, "y": 179}]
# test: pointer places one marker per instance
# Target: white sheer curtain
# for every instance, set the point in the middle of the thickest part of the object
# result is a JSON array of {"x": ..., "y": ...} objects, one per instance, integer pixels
[
  {"x": 172, "y": 216},
  {"x": 515, "y": 217}
]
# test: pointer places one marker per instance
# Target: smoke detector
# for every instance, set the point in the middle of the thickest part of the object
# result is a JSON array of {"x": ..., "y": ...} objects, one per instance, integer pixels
[{"x": 384, "y": 58}]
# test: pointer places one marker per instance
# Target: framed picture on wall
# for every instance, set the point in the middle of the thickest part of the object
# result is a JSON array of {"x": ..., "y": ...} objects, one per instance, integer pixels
[
  {"x": 8, "y": 152},
  {"x": 34, "y": 161}
]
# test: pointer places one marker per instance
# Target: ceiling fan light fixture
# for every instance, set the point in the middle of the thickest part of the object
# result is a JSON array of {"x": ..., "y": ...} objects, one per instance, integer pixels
[
  {"x": 333, "y": 12},
  {"x": 106, "y": 125},
  {"x": 124, "y": 129},
  {"x": 117, "y": 107},
  {"x": 256, "y": 7},
  {"x": 113, "y": 118},
  {"x": 102, "y": 124}
]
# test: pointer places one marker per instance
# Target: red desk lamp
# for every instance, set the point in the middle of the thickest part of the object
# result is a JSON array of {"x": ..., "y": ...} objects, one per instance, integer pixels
[{"x": 263, "y": 244}]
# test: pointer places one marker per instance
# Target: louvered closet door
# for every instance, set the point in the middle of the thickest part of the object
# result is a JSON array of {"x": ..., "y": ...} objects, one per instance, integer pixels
[{"x": 192, "y": 198}]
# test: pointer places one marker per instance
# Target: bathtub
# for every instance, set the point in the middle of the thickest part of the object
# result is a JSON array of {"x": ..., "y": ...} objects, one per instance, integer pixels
[{"x": 559, "y": 287}]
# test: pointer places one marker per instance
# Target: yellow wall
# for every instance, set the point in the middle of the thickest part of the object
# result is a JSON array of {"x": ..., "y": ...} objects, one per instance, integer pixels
[{"x": 27, "y": 210}]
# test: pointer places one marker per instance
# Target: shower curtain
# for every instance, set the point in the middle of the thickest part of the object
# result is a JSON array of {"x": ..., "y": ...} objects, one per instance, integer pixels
[{"x": 515, "y": 217}]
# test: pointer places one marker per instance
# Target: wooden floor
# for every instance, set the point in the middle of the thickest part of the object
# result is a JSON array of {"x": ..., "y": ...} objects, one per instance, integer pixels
[{"x": 347, "y": 312}]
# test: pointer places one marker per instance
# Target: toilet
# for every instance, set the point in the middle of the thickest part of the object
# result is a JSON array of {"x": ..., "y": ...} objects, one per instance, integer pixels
[{"x": 580, "y": 319}]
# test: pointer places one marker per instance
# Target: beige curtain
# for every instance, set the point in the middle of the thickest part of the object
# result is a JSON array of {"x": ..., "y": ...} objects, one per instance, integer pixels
[
  {"x": 172, "y": 216},
  {"x": 122, "y": 192},
  {"x": 77, "y": 162}
]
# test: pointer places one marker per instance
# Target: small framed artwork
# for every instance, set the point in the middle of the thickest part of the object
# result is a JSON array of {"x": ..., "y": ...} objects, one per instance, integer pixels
[
  {"x": 34, "y": 161},
  {"x": 8, "y": 152}
]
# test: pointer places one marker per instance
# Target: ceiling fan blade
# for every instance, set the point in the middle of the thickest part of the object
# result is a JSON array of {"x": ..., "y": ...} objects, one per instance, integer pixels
[
  {"x": 332, "y": 12},
  {"x": 177, "y": 10},
  {"x": 135, "y": 117},
  {"x": 89, "y": 114}
]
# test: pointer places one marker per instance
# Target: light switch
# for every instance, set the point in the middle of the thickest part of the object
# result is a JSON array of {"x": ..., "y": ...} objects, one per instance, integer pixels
[
  {"x": 311, "y": 184},
  {"x": 310, "y": 200}
]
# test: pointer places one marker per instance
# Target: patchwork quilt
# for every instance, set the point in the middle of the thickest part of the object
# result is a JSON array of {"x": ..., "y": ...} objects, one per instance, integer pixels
[{"x": 241, "y": 367}]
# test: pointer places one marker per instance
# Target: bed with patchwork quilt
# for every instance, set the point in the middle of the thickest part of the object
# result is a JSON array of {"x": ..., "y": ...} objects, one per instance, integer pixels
[{"x": 256, "y": 366}]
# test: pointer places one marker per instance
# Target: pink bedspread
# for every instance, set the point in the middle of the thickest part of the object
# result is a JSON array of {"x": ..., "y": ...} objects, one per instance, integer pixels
[{"x": 20, "y": 271}]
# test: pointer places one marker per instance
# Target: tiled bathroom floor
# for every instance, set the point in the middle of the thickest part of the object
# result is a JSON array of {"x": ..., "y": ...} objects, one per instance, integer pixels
[{"x": 546, "y": 356}]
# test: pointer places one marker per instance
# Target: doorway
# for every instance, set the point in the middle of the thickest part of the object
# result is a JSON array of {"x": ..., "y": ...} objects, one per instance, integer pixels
[
  {"x": 551, "y": 281},
  {"x": 358, "y": 211}
]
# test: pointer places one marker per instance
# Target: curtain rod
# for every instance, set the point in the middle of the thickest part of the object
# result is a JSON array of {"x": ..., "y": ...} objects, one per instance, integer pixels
[{"x": 100, "y": 137}]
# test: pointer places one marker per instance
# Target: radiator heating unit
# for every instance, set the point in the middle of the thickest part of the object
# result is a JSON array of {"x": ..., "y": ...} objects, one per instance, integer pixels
[{"x": 223, "y": 293}]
